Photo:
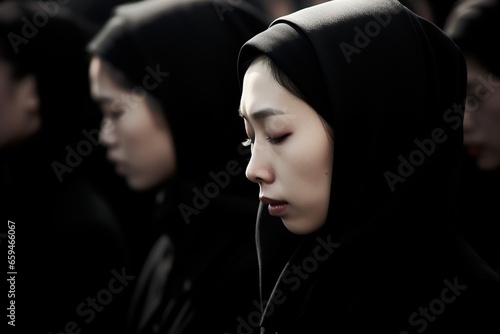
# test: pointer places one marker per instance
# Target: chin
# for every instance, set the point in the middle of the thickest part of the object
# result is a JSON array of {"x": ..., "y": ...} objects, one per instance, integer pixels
[
  {"x": 488, "y": 164},
  {"x": 300, "y": 226},
  {"x": 139, "y": 185}
]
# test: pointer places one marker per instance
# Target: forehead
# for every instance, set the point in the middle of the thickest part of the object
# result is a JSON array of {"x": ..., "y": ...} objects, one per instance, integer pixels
[
  {"x": 261, "y": 90},
  {"x": 104, "y": 80},
  {"x": 258, "y": 75}
]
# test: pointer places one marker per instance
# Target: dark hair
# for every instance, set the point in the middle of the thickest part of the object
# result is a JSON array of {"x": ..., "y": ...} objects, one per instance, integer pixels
[
  {"x": 124, "y": 82},
  {"x": 280, "y": 76}
]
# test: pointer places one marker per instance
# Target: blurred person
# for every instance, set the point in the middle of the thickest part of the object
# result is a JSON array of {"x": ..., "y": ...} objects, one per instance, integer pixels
[
  {"x": 164, "y": 74},
  {"x": 474, "y": 26},
  {"x": 435, "y": 11},
  {"x": 357, "y": 148},
  {"x": 277, "y": 8},
  {"x": 422, "y": 8},
  {"x": 67, "y": 239},
  {"x": 95, "y": 11}
]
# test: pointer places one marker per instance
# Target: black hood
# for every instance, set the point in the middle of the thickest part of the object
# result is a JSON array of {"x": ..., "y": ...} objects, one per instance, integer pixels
[{"x": 392, "y": 86}]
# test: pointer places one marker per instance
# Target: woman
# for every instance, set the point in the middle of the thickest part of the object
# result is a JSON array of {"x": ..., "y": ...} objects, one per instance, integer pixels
[
  {"x": 474, "y": 25},
  {"x": 67, "y": 239},
  {"x": 164, "y": 75},
  {"x": 353, "y": 111}
]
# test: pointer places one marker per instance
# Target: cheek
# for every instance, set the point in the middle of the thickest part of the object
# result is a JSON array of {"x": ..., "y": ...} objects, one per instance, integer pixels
[
  {"x": 137, "y": 131},
  {"x": 150, "y": 146},
  {"x": 314, "y": 159},
  {"x": 313, "y": 171},
  {"x": 15, "y": 122}
]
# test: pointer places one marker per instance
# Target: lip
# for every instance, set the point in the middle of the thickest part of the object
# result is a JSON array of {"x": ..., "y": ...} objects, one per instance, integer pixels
[
  {"x": 275, "y": 207},
  {"x": 120, "y": 166},
  {"x": 474, "y": 150}
]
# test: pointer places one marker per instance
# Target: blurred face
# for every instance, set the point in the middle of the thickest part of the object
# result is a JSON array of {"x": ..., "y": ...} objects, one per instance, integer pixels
[
  {"x": 19, "y": 103},
  {"x": 135, "y": 132},
  {"x": 482, "y": 117},
  {"x": 292, "y": 152}
]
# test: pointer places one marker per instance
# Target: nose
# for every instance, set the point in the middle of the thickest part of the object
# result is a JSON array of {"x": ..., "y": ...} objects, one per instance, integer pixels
[
  {"x": 107, "y": 134},
  {"x": 468, "y": 122},
  {"x": 259, "y": 169}
]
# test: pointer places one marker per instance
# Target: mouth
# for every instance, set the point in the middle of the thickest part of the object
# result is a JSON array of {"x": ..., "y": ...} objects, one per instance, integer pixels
[
  {"x": 275, "y": 207},
  {"x": 121, "y": 169},
  {"x": 120, "y": 166},
  {"x": 474, "y": 150}
]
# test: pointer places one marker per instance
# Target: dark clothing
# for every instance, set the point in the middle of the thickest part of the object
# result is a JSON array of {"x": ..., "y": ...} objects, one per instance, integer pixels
[
  {"x": 68, "y": 242},
  {"x": 389, "y": 258},
  {"x": 202, "y": 277},
  {"x": 478, "y": 198},
  {"x": 394, "y": 279}
]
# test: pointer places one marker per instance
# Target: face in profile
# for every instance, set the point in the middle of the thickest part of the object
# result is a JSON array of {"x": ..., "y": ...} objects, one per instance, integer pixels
[
  {"x": 482, "y": 116},
  {"x": 19, "y": 103},
  {"x": 134, "y": 131},
  {"x": 292, "y": 151}
]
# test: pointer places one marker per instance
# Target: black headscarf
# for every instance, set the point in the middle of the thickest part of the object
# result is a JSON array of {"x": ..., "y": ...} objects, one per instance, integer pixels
[
  {"x": 473, "y": 25},
  {"x": 392, "y": 87},
  {"x": 193, "y": 46}
]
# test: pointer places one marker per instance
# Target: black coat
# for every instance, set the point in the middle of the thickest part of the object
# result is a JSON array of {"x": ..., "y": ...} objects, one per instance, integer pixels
[{"x": 201, "y": 276}]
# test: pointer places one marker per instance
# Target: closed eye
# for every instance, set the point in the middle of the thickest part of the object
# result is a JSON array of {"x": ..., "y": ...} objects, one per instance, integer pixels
[{"x": 277, "y": 140}]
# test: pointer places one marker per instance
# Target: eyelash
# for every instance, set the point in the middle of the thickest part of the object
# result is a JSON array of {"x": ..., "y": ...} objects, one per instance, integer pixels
[{"x": 272, "y": 141}]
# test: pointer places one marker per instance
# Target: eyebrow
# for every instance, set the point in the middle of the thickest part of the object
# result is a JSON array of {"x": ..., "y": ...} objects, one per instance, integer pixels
[{"x": 263, "y": 113}]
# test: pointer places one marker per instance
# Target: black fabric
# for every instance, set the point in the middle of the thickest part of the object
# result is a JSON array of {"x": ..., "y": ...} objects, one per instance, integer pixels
[
  {"x": 478, "y": 197},
  {"x": 392, "y": 87},
  {"x": 202, "y": 273}
]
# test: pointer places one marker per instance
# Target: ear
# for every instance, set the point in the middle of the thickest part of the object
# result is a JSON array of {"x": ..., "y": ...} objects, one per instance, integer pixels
[{"x": 27, "y": 94}]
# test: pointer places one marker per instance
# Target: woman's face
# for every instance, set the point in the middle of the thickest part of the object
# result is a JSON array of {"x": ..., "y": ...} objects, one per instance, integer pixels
[
  {"x": 292, "y": 152},
  {"x": 135, "y": 132},
  {"x": 482, "y": 117}
]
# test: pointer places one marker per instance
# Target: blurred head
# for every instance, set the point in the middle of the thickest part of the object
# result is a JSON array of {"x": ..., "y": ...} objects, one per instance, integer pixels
[
  {"x": 44, "y": 87},
  {"x": 473, "y": 24},
  {"x": 482, "y": 116},
  {"x": 135, "y": 132},
  {"x": 181, "y": 90},
  {"x": 292, "y": 149}
]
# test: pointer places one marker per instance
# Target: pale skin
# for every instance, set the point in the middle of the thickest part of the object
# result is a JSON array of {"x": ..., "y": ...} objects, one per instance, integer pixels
[
  {"x": 292, "y": 151},
  {"x": 482, "y": 116},
  {"x": 19, "y": 107},
  {"x": 135, "y": 132}
]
